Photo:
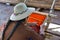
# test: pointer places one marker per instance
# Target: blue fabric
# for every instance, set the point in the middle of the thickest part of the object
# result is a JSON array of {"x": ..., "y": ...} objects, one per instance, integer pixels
[{"x": 30, "y": 38}]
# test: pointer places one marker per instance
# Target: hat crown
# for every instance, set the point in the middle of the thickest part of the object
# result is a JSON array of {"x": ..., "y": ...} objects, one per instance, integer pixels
[{"x": 19, "y": 8}]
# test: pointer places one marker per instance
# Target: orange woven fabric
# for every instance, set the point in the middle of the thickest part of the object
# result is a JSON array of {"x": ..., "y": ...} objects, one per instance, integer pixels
[{"x": 39, "y": 18}]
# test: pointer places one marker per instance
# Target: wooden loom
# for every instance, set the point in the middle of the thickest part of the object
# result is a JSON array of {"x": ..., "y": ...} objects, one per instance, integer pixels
[{"x": 43, "y": 3}]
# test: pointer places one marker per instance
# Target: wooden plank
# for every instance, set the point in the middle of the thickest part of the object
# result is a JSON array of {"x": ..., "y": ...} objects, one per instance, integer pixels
[
  {"x": 11, "y": 1},
  {"x": 43, "y": 3}
]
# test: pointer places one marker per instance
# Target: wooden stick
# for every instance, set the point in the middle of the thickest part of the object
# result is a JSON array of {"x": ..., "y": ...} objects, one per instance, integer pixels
[{"x": 49, "y": 17}]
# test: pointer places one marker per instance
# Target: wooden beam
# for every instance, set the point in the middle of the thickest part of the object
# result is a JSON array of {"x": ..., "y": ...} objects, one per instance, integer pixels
[{"x": 43, "y": 4}]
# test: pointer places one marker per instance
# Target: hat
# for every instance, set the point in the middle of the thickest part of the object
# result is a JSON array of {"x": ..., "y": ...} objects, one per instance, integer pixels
[{"x": 21, "y": 11}]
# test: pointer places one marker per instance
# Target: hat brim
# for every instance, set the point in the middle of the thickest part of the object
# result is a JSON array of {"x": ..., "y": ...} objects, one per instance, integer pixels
[{"x": 22, "y": 16}]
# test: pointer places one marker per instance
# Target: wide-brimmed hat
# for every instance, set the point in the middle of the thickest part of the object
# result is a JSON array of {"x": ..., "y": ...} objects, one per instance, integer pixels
[{"x": 21, "y": 11}]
